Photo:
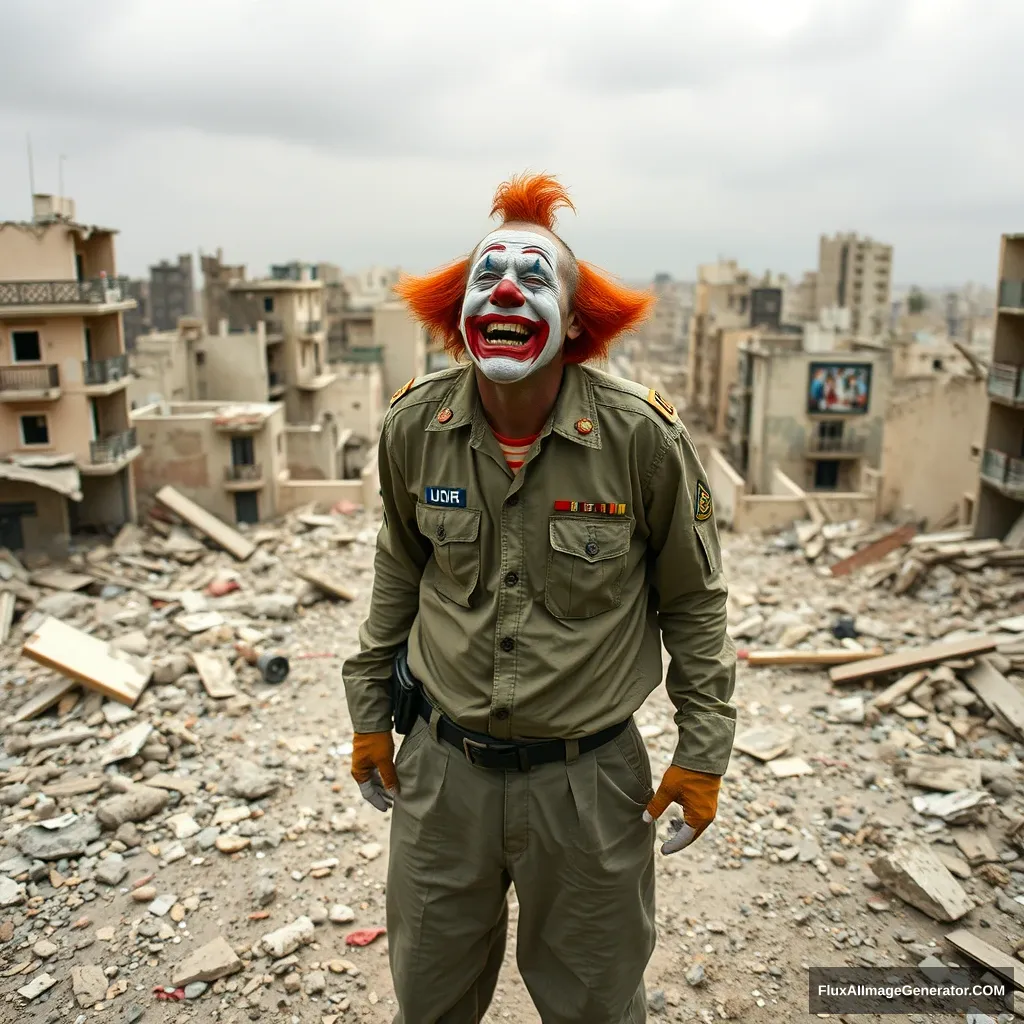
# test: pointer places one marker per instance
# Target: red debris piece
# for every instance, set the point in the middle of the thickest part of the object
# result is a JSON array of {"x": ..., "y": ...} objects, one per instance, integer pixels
[
  {"x": 218, "y": 588},
  {"x": 346, "y": 508},
  {"x": 364, "y": 936},
  {"x": 165, "y": 995}
]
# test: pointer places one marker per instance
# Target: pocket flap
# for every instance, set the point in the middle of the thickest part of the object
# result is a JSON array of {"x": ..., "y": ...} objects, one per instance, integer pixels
[
  {"x": 448, "y": 525},
  {"x": 591, "y": 539}
]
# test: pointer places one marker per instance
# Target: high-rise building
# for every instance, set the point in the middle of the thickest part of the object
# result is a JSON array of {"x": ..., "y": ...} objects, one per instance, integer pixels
[
  {"x": 856, "y": 273},
  {"x": 171, "y": 293},
  {"x": 999, "y": 502},
  {"x": 66, "y": 440},
  {"x": 217, "y": 279},
  {"x": 136, "y": 321}
]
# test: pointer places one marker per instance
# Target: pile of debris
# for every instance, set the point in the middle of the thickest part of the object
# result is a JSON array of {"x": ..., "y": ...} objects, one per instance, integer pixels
[{"x": 123, "y": 676}]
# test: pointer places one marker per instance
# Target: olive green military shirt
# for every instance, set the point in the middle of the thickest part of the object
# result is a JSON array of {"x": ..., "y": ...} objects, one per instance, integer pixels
[{"x": 529, "y": 619}]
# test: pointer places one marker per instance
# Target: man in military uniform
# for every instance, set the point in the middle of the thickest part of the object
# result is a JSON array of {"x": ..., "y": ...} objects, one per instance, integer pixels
[{"x": 546, "y": 527}]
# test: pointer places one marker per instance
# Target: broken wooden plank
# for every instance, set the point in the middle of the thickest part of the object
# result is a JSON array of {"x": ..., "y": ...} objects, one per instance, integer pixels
[
  {"x": 893, "y": 694},
  {"x": 1014, "y": 625},
  {"x": 875, "y": 552},
  {"x": 998, "y": 962},
  {"x": 914, "y": 658},
  {"x": 59, "y": 737},
  {"x": 999, "y": 695},
  {"x": 209, "y": 525},
  {"x": 325, "y": 583},
  {"x": 43, "y": 700},
  {"x": 790, "y": 657},
  {"x": 764, "y": 742},
  {"x": 919, "y": 878},
  {"x": 58, "y": 579},
  {"x": 7, "y": 600},
  {"x": 86, "y": 660},
  {"x": 947, "y": 774},
  {"x": 216, "y": 674},
  {"x": 944, "y": 537}
]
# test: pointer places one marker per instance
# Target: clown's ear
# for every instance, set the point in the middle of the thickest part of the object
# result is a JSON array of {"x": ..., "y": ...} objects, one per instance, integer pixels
[
  {"x": 436, "y": 301},
  {"x": 605, "y": 310}
]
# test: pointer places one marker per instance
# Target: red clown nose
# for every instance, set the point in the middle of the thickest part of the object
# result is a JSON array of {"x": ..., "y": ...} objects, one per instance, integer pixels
[{"x": 507, "y": 295}]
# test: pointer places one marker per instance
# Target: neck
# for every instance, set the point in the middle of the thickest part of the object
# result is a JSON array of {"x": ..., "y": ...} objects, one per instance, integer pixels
[{"x": 522, "y": 408}]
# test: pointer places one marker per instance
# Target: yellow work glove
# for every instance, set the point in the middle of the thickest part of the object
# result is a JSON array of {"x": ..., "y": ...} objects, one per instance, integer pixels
[
  {"x": 696, "y": 793},
  {"x": 373, "y": 767}
]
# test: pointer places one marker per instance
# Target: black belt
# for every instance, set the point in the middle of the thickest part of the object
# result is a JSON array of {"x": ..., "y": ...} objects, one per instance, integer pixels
[{"x": 511, "y": 755}]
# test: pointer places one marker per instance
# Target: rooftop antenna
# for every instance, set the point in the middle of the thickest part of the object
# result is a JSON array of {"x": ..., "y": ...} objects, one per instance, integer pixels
[{"x": 31, "y": 169}]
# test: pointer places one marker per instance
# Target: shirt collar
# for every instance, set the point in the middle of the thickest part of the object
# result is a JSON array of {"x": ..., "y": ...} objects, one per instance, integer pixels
[{"x": 574, "y": 408}]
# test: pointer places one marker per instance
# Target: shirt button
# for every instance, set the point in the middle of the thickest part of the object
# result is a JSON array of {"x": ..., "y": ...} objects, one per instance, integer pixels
[
  {"x": 440, "y": 533},
  {"x": 507, "y": 643},
  {"x": 511, "y": 579},
  {"x": 591, "y": 548},
  {"x": 501, "y": 714},
  {"x": 512, "y": 499}
]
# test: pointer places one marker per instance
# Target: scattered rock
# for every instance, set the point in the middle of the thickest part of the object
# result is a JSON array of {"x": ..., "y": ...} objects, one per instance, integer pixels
[
  {"x": 288, "y": 939},
  {"x": 248, "y": 781},
  {"x": 59, "y": 844},
  {"x": 138, "y": 804},
  {"x": 89, "y": 984},
  {"x": 208, "y": 963}
]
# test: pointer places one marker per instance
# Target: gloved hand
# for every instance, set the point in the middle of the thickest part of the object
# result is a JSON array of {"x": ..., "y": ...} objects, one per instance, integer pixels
[
  {"x": 696, "y": 793},
  {"x": 373, "y": 767}
]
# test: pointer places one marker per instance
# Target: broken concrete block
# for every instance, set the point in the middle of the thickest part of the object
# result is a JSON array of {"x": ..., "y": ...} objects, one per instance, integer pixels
[
  {"x": 208, "y": 963},
  {"x": 138, "y": 804},
  {"x": 288, "y": 939},
  {"x": 37, "y": 986},
  {"x": 89, "y": 985},
  {"x": 249, "y": 781},
  {"x": 917, "y": 877},
  {"x": 71, "y": 841}
]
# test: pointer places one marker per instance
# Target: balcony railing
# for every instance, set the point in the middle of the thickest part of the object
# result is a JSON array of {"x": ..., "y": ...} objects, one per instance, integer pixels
[
  {"x": 273, "y": 327},
  {"x": 835, "y": 445},
  {"x": 310, "y": 326},
  {"x": 95, "y": 291},
  {"x": 110, "y": 449},
  {"x": 364, "y": 354},
  {"x": 105, "y": 371},
  {"x": 29, "y": 378},
  {"x": 243, "y": 472},
  {"x": 1006, "y": 381}
]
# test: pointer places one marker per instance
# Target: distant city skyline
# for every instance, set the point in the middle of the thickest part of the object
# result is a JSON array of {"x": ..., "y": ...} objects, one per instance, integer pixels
[{"x": 375, "y": 134}]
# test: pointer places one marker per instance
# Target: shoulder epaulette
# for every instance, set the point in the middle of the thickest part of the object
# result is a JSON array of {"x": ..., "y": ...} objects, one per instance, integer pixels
[
  {"x": 416, "y": 382},
  {"x": 665, "y": 409}
]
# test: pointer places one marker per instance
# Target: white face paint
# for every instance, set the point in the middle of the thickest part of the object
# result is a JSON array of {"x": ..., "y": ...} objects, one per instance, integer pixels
[{"x": 511, "y": 316}]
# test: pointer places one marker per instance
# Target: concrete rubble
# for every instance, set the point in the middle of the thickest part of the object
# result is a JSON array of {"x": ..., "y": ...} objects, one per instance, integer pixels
[{"x": 203, "y": 843}]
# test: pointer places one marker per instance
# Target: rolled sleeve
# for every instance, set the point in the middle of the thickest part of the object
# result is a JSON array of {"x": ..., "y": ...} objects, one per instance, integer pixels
[
  {"x": 691, "y": 593},
  {"x": 398, "y": 566}
]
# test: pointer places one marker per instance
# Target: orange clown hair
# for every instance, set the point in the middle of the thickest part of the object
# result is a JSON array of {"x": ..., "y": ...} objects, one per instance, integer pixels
[{"x": 604, "y": 308}]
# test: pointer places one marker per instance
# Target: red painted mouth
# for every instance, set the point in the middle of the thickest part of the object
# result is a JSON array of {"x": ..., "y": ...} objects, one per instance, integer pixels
[{"x": 521, "y": 338}]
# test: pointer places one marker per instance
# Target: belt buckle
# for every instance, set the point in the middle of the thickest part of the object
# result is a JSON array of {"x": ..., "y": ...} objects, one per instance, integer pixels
[{"x": 468, "y": 746}]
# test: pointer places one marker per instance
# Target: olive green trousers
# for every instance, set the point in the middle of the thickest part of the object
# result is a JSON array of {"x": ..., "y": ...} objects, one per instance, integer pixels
[{"x": 569, "y": 836}]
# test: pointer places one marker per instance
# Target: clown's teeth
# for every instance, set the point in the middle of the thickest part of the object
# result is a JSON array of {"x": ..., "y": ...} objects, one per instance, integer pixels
[{"x": 495, "y": 328}]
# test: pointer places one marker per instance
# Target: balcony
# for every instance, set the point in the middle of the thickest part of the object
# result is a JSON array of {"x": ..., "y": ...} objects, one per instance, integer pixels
[
  {"x": 1011, "y": 296},
  {"x": 39, "y": 382},
  {"x": 1006, "y": 384},
  {"x": 243, "y": 477},
  {"x": 274, "y": 329},
  {"x": 835, "y": 447},
  {"x": 89, "y": 297},
  {"x": 275, "y": 384},
  {"x": 309, "y": 326},
  {"x": 105, "y": 376},
  {"x": 366, "y": 354},
  {"x": 111, "y": 454},
  {"x": 1003, "y": 473},
  {"x": 317, "y": 382}
]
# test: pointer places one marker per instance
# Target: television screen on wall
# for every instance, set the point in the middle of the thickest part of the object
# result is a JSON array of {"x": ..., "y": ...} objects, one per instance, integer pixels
[{"x": 839, "y": 389}]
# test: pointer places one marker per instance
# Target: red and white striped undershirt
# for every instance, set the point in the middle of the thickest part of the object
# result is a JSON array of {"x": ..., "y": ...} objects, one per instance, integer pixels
[{"x": 514, "y": 449}]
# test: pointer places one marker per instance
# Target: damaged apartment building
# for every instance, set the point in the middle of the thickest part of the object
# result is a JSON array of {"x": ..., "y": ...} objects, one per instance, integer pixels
[
  {"x": 302, "y": 419},
  {"x": 66, "y": 441},
  {"x": 803, "y": 405}
]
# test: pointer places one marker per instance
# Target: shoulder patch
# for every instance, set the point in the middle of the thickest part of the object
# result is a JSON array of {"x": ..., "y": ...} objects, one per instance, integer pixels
[
  {"x": 664, "y": 407},
  {"x": 403, "y": 390},
  {"x": 702, "y": 503}
]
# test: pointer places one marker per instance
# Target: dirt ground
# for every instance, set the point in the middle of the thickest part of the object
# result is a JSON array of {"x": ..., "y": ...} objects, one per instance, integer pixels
[{"x": 738, "y": 925}]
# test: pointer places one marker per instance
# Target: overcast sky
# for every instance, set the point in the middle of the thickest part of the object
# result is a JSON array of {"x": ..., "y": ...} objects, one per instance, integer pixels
[{"x": 376, "y": 132}]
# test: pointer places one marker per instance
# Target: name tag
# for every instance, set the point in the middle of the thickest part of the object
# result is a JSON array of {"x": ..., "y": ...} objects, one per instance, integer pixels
[{"x": 446, "y": 497}]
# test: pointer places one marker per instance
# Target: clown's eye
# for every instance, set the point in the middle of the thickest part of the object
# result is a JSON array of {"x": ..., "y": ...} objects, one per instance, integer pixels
[{"x": 535, "y": 282}]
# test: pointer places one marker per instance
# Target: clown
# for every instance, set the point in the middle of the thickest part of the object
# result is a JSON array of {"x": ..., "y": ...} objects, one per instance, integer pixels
[{"x": 547, "y": 526}]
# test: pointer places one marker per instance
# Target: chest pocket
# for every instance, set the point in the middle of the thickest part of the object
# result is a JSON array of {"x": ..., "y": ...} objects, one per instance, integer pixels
[
  {"x": 455, "y": 534},
  {"x": 586, "y": 564}
]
